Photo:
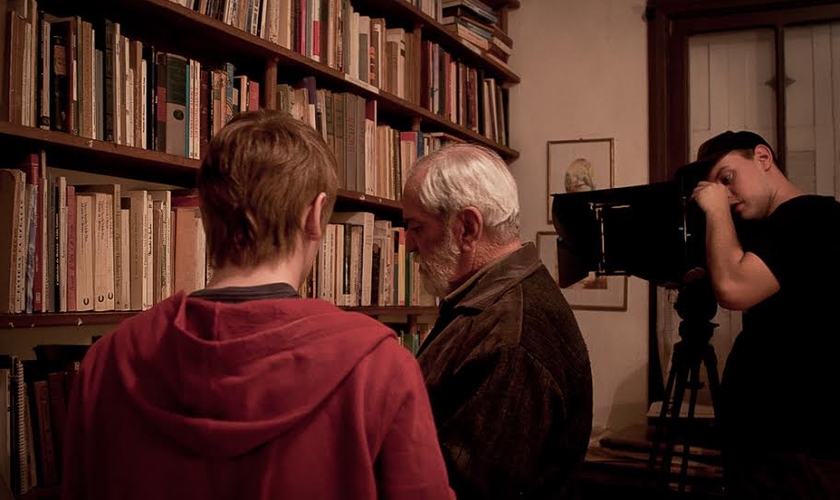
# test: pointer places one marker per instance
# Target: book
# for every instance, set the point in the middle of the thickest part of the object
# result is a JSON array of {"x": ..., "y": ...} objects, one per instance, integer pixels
[
  {"x": 114, "y": 221},
  {"x": 12, "y": 194},
  {"x": 21, "y": 477},
  {"x": 366, "y": 221}
]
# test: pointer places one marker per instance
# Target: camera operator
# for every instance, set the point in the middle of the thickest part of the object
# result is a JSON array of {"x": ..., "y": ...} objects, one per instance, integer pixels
[{"x": 777, "y": 411}]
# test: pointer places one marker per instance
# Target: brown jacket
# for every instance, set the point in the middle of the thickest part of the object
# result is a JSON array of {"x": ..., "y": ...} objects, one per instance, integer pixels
[{"x": 510, "y": 383}]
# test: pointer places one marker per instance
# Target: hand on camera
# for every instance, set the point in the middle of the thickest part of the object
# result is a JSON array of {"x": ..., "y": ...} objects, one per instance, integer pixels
[{"x": 711, "y": 197}]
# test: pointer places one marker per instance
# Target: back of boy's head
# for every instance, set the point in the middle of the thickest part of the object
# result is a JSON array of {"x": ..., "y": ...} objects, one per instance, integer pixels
[{"x": 259, "y": 174}]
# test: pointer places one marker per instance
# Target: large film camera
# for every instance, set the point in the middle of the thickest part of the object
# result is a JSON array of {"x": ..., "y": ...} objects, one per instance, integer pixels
[{"x": 654, "y": 232}]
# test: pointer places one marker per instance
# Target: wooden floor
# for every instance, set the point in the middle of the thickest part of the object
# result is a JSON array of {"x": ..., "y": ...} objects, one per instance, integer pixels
[{"x": 617, "y": 466}]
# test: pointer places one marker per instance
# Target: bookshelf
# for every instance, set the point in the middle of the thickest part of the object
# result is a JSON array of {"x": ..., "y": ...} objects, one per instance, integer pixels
[
  {"x": 167, "y": 24},
  {"x": 171, "y": 27}
]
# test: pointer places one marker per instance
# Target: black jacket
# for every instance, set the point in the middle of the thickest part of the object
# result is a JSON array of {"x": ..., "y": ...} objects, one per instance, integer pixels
[{"x": 510, "y": 383}]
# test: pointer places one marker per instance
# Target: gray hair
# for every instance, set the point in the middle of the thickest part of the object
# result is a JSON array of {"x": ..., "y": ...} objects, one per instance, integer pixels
[{"x": 468, "y": 175}]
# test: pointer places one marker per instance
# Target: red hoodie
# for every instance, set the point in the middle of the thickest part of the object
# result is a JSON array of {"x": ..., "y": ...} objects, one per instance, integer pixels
[{"x": 284, "y": 398}]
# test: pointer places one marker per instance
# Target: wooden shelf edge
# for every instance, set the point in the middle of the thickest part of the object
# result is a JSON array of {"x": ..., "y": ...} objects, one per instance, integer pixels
[
  {"x": 15, "y": 321},
  {"x": 395, "y": 310},
  {"x": 499, "y": 4},
  {"x": 365, "y": 199},
  {"x": 51, "y": 140},
  {"x": 64, "y": 319}
]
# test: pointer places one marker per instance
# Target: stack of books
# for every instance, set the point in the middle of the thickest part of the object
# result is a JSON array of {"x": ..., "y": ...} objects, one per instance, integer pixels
[{"x": 478, "y": 27}]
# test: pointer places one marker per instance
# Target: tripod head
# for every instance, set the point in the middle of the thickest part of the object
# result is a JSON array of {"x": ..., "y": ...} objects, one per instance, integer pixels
[
  {"x": 696, "y": 305},
  {"x": 696, "y": 300}
]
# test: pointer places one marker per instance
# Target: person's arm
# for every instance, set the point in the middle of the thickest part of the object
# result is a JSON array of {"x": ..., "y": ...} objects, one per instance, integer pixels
[
  {"x": 740, "y": 279},
  {"x": 410, "y": 464}
]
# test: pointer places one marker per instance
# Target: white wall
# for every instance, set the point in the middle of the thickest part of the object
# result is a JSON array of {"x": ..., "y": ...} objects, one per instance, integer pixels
[{"x": 583, "y": 65}]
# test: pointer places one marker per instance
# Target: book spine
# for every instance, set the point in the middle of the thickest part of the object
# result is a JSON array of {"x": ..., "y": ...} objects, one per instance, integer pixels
[{"x": 71, "y": 248}]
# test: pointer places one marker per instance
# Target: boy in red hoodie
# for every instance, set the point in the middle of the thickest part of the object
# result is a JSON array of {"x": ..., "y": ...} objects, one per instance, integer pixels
[{"x": 244, "y": 389}]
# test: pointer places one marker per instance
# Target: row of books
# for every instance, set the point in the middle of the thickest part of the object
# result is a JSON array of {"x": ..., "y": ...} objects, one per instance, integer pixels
[
  {"x": 100, "y": 247},
  {"x": 372, "y": 158},
  {"x": 363, "y": 262},
  {"x": 328, "y": 31},
  {"x": 377, "y": 56},
  {"x": 92, "y": 81},
  {"x": 93, "y": 247},
  {"x": 88, "y": 79},
  {"x": 34, "y": 396}
]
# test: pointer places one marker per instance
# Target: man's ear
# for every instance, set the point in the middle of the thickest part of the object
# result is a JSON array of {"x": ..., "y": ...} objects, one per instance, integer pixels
[
  {"x": 312, "y": 229},
  {"x": 470, "y": 229},
  {"x": 764, "y": 156}
]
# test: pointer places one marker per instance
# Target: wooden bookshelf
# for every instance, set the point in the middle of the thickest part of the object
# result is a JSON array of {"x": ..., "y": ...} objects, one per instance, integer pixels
[{"x": 172, "y": 26}]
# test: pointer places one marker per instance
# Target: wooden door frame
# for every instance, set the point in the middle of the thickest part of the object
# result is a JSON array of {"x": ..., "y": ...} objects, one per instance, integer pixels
[{"x": 670, "y": 24}]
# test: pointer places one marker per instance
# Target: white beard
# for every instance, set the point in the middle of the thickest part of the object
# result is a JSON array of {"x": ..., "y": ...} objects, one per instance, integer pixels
[{"x": 438, "y": 269}]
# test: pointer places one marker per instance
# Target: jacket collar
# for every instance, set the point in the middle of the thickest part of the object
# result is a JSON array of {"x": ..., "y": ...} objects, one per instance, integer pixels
[{"x": 486, "y": 286}]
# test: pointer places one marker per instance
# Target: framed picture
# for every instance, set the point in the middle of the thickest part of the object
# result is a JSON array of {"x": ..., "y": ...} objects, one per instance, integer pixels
[
  {"x": 579, "y": 165},
  {"x": 604, "y": 293}
]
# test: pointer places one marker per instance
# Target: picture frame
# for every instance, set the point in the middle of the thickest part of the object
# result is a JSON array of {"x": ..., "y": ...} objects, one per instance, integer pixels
[
  {"x": 579, "y": 165},
  {"x": 599, "y": 293}
]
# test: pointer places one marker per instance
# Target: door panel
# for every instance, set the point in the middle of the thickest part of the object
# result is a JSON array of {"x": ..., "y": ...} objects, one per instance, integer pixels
[
  {"x": 812, "y": 102},
  {"x": 728, "y": 85}
]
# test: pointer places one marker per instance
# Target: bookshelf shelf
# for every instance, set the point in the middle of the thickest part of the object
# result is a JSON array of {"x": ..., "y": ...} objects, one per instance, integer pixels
[
  {"x": 63, "y": 319},
  {"x": 395, "y": 310},
  {"x": 14, "y": 321},
  {"x": 499, "y": 4},
  {"x": 99, "y": 156},
  {"x": 383, "y": 207}
]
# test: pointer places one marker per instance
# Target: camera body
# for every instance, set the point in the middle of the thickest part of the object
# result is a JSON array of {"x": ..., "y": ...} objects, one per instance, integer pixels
[{"x": 653, "y": 231}]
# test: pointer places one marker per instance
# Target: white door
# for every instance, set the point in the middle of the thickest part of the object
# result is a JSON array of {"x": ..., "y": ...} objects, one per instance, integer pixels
[{"x": 812, "y": 101}]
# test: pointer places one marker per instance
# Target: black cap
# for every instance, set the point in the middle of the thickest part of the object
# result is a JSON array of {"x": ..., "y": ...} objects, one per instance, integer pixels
[{"x": 711, "y": 151}]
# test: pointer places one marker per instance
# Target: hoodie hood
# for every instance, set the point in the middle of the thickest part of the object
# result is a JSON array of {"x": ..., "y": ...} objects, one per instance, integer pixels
[{"x": 222, "y": 379}]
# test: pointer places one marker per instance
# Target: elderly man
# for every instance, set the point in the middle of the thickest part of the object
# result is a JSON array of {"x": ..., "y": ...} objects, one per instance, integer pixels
[{"x": 506, "y": 367}]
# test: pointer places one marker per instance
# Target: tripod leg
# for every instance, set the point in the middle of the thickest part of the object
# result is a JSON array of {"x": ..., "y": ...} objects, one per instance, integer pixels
[
  {"x": 663, "y": 412},
  {"x": 674, "y": 420},
  {"x": 692, "y": 403},
  {"x": 710, "y": 360}
]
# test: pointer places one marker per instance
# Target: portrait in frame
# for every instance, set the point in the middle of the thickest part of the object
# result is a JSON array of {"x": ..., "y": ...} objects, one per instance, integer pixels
[{"x": 579, "y": 165}]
